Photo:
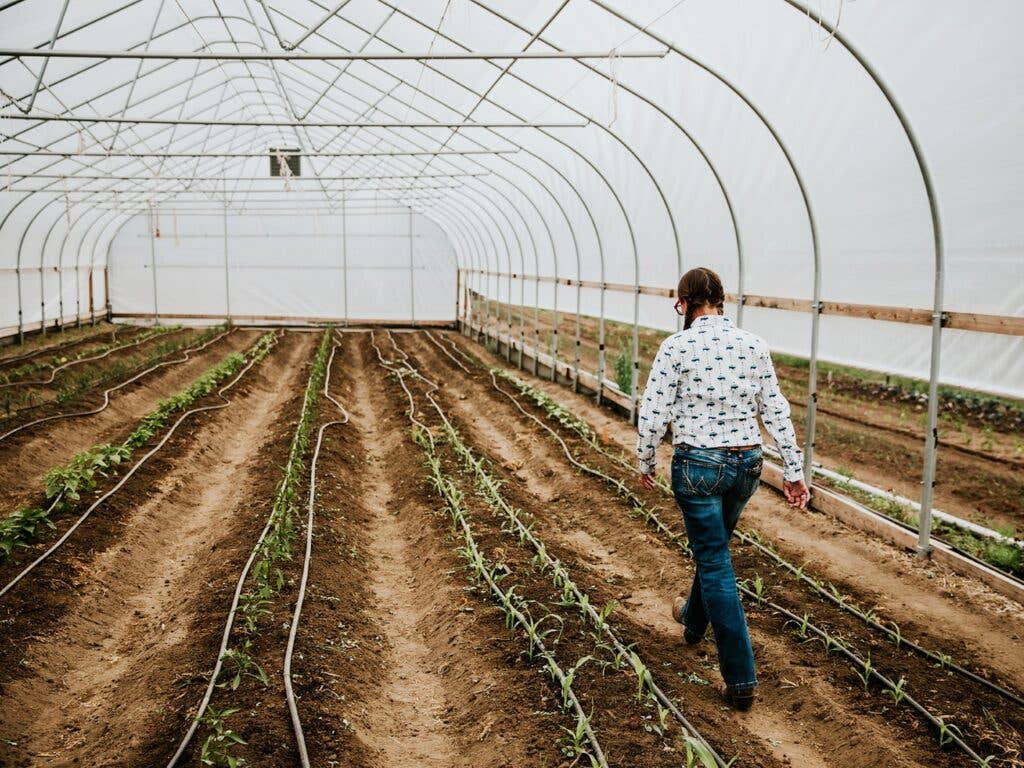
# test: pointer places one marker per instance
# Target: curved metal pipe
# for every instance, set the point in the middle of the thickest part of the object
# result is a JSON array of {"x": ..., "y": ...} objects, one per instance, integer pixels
[
  {"x": 812, "y": 383},
  {"x": 931, "y": 434}
]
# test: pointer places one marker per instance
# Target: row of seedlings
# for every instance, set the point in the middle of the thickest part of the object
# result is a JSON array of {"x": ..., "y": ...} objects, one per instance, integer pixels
[
  {"x": 488, "y": 488},
  {"x": 66, "y": 485},
  {"x": 38, "y": 346},
  {"x": 821, "y": 588},
  {"x": 260, "y": 581},
  {"x": 155, "y": 358},
  {"x": 583, "y": 742},
  {"x": 293, "y": 708},
  {"x": 756, "y": 590},
  {"x": 22, "y": 395},
  {"x": 57, "y": 363}
]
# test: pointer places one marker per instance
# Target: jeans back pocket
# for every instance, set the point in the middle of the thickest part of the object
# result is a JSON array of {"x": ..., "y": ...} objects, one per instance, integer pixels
[{"x": 699, "y": 478}]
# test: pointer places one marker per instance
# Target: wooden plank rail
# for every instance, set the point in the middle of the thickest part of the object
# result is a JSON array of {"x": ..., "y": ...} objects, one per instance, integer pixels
[{"x": 1009, "y": 325}]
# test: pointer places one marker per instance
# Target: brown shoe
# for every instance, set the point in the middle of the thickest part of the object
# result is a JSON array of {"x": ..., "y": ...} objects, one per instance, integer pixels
[
  {"x": 677, "y": 609},
  {"x": 677, "y": 613}
]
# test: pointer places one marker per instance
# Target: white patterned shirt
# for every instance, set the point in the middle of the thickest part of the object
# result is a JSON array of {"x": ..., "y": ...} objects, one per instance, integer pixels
[{"x": 711, "y": 381}]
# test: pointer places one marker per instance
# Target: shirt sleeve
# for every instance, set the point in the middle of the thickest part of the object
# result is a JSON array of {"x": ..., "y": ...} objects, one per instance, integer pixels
[
  {"x": 656, "y": 406},
  {"x": 774, "y": 408}
]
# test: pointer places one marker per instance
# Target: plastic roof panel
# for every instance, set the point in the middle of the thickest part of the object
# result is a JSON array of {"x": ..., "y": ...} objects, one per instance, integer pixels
[{"x": 680, "y": 161}]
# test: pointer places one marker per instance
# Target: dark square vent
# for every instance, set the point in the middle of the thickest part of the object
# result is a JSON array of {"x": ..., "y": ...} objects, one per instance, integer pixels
[{"x": 290, "y": 155}]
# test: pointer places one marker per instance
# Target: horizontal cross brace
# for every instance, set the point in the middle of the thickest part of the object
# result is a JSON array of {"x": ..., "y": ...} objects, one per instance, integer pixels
[{"x": 19, "y": 53}]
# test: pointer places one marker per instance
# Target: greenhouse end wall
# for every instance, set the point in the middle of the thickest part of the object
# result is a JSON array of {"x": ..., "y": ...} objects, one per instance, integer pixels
[{"x": 365, "y": 266}]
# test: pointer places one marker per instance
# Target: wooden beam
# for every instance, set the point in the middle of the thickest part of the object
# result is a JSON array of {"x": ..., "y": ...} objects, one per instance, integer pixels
[
  {"x": 297, "y": 320},
  {"x": 1009, "y": 325}
]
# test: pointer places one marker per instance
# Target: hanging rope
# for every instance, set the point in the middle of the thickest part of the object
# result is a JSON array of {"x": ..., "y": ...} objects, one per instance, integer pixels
[
  {"x": 67, "y": 200},
  {"x": 613, "y": 94}
]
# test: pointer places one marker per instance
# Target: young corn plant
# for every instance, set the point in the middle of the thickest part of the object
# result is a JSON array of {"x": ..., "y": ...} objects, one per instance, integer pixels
[
  {"x": 896, "y": 690},
  {"x": 864, "y": 672},
  {"x": 242, "y": 665}
]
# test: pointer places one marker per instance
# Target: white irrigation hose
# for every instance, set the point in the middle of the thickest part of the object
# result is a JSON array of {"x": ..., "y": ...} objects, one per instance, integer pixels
[
  {"x": 112, "y": 350},
  {"x": 913, "y": 703},
  {"x": 225, "y": 635},
  {"x": 300, "y": 737},
  {"x": 454, "y": 359},
  {"x": 798, "y": 573},
  {"x": 468, "y": 534},
  {"x": 107, "y": 393},
  {"x": 67, "y": 534}
]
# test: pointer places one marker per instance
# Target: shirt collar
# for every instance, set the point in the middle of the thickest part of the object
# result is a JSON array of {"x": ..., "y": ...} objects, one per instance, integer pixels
[{"x": 709, "y": 320}]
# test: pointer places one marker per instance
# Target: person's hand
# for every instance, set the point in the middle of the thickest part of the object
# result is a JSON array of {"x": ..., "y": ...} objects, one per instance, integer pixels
[
  {"x": 796, "y": 493},
  {"x": 647, "y": 481}
]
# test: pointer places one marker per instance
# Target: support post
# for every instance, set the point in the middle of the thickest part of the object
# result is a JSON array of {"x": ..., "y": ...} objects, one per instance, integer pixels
[
  {"x": 601, "y": 362},
  {"x": 227, "y": 273},
  {"x": 576, "y": 360},
  {"x": 634, "y": 375},
  {"x": 554, "y": 327},
  {"x": 412, "y": 274},
  {"x": 812, "y": 382},
  {"x": 152, "y": 265},
  {"x": 344, "y": 259},
  {"x": 21, "y": 318},
  {"x": 924, "y": 529}
]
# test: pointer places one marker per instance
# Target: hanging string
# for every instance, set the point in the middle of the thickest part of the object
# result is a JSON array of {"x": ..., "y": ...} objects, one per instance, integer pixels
[
  {"x": 67, "y": 200},
  {"x": 821, "y": 37},
  {"x": 613, "y": 69},
  {"x": 835, "y": 27}
]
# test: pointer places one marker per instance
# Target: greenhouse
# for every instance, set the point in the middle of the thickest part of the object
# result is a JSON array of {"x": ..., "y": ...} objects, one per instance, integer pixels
[{"x": 340, "y": 341}]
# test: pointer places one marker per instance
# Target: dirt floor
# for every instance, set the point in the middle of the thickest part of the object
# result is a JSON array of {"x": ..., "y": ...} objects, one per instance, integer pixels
[
  {"x": 98, "y": 644},
  {"x": 401, "y": 658}
]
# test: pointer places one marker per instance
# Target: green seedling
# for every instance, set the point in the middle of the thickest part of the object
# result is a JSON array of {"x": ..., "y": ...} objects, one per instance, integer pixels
[
  {"x": 569, "y": 677},
  {"x": 864, "y": 673},
  {"x": 947, "y": 732},
  {"x": 216, "y": 749},
  {"x": 698, "y": 755},
  {"x": 242, "y": 665},
  {"x": 896, "y": 691}
]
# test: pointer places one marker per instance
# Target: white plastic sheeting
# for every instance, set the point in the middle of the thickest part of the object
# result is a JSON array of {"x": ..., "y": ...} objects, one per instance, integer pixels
[
  {"x": 371, "y": 265},
  {"x": 627, "y": 198}
]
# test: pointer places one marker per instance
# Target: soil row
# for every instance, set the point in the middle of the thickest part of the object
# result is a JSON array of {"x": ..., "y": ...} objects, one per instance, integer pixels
[
  {"x": 940, "y": 691},
  {"x": 102, "y": 644}
]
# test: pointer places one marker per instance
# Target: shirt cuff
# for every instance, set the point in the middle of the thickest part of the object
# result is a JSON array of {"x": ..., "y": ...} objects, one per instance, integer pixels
[
  {"x": 648, "y": 467},
  {"x": 792, "y": 474}
]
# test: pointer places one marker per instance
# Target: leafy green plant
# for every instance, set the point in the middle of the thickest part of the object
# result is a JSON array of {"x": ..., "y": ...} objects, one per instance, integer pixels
[
  {"x": 65, "y": 485},
  {"x": 623, "y": 367},
  {"x": 241, "y": 665},
  {"x": 217, "y": 746},
  {"x": 864, "y": 673}
]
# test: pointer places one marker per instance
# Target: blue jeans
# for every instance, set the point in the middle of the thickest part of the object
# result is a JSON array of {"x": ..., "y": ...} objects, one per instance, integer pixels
[{"x": 711, "y": 486}]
